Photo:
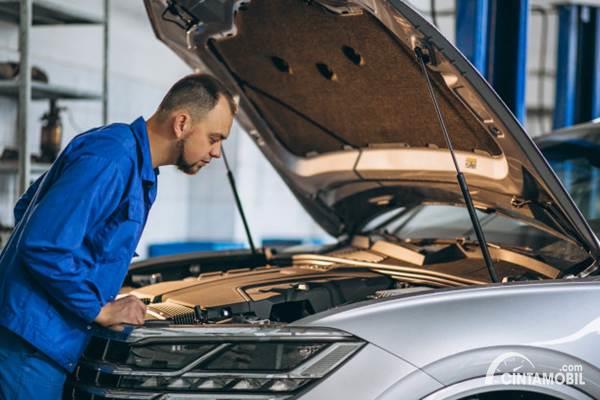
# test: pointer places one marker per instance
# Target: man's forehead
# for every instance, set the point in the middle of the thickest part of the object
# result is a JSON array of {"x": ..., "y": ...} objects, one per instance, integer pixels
[{"x": 220, "y": 123}]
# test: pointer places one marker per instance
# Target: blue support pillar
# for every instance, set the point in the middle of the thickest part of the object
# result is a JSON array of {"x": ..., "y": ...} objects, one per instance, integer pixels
[
  {"x": 578, "y": 66},
  {"x": 566, "y": 67},
  {"x": 472, "y": 31},
  {"x": 493, "y": 36},
  {"x": 595, "y": 110}
]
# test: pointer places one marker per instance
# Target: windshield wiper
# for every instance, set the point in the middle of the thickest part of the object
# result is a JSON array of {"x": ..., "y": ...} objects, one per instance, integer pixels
[
  {"x": 423, "y": 59},
  {"x": 589, "y": 271}
]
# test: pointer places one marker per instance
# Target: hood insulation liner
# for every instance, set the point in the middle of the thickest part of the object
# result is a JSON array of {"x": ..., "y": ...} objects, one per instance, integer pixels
[{"x": 313, "y": 75}]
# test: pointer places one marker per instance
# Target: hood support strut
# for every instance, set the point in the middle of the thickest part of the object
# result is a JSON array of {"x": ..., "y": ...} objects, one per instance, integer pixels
[
  {"x": 238, "y": 203},
  {"x": 423, "y": 59}
]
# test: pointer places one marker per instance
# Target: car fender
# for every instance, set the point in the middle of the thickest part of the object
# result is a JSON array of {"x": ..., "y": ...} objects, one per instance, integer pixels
[{"x": 423, "y": 328}]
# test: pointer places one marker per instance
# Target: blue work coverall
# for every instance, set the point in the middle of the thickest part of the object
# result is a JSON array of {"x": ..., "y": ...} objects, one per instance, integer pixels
[{"x": 76, "y": 230}]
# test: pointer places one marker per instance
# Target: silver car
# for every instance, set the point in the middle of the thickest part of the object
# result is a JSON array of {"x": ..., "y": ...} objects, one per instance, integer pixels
[{"x": 351, "y": 103}]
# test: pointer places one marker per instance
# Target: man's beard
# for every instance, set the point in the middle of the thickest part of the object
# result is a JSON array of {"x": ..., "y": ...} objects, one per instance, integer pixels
[{"x": 183, "y": 165}]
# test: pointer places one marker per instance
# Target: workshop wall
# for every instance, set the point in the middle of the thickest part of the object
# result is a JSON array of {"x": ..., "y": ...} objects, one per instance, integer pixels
[
  {"x": 141, "y": 71},
  {"x": 541, "y": 66}
]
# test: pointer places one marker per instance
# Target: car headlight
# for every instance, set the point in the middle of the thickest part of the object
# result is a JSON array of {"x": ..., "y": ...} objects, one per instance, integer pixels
[
  {"x": 166, "y": 356},
  {"x": 196, "y": 362}
]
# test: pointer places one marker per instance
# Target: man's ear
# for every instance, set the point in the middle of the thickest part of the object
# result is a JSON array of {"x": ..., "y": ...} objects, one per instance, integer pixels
[{"x": 182, "y": 123}]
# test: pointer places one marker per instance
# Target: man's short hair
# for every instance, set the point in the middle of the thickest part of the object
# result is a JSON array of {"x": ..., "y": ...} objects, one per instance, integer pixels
[{"x": 196, "y": 93}]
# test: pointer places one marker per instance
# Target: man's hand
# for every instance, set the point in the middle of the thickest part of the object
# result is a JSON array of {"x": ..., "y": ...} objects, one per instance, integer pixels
[{"x": 126, "y": 310}]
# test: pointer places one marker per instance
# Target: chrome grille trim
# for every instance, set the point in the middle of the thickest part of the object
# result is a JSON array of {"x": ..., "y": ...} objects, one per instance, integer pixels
[
  {"x": 117, "y": 369},
  {"x": 223, "y": 396},
  {"x": 233, "y": 334},
  {"x": 114, "y": 369},
  {"x": 117, "y": 393},
  {"x": 134, "y": 395}
]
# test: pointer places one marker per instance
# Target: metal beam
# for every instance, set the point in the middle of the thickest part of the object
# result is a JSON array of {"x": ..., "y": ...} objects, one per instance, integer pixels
[
  {"x": 26, "y": 16},
  {"x": 578, "y": 65},
  {"x": 493, "y": 36}
]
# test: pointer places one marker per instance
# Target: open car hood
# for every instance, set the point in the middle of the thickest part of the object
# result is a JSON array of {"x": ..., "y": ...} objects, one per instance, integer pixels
[{"x": 332, "y": 93}]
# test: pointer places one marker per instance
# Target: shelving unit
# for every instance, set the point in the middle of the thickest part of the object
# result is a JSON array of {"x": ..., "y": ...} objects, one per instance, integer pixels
[
  {"x": 46, "y": 13},
  {"x": 12, "y": 167},
  {"x": 47, "y": 91},
  {"x": 27, "y": 14}
]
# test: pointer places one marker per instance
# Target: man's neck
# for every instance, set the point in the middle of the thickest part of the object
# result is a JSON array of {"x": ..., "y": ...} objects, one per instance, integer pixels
[{"x": 160, "y": 148}]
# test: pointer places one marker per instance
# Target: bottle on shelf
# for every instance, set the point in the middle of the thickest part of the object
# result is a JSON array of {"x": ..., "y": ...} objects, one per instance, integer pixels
[{"x": 52, "y": 132}]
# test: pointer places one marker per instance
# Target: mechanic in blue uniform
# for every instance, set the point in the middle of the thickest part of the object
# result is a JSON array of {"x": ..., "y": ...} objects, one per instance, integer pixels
[{"x": 77, "y": 227}]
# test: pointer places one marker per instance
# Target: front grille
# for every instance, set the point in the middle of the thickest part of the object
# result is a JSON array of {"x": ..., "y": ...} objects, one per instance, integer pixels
[{"x": 112, "y": 351}]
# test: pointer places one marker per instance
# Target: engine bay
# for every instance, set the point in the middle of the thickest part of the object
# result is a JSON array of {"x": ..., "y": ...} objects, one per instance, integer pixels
[
  {"x": 307, "y": 283},
  {"x": 264, "y": 295}
]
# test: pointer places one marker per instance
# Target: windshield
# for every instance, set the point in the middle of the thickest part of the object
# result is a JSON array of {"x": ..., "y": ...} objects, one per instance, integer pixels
[
  {"x": 573, "y": 154},
  {"x": 444, "y": 222},
  {"x": 575, "y": 160}
]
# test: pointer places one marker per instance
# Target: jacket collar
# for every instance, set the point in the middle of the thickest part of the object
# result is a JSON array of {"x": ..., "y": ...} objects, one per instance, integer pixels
[{"x": 141, "y": 136}]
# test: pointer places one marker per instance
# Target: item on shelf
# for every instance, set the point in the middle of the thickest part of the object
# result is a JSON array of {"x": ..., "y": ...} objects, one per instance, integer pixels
[
  {"x": 10, "y": 70},
  {"x": 9, "y": 154},
  {"x": 52, "y": 130},
  {"x": 13, "y": 155}
]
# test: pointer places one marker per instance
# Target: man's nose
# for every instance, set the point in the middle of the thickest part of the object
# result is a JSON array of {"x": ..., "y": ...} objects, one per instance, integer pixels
[{"x": 216, "y": 151}]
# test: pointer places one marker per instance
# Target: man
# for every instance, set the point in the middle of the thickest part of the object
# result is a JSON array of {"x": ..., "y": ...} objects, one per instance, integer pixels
[{"x": 76, "y": 229}]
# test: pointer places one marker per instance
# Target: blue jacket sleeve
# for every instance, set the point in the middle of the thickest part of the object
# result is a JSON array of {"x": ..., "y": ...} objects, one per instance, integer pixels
[
  {"x": 88, "y": 189},
  {"x": 25, "y": 199}
]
